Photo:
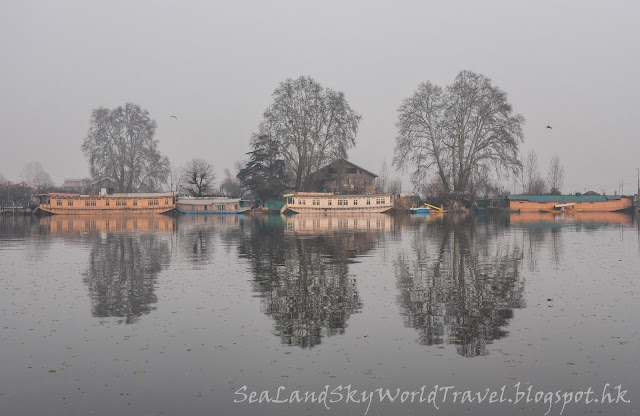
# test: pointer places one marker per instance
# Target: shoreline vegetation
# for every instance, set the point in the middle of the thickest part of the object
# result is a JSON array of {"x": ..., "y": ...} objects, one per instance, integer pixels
[{"x": 458, "y": 142}]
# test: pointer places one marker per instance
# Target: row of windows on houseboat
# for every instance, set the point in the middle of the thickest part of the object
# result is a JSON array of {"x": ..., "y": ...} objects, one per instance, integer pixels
[
  {"x": 118, "y": 202},
  {"x": 341, "y": 201},
  {"x": 220, "y": 207}
]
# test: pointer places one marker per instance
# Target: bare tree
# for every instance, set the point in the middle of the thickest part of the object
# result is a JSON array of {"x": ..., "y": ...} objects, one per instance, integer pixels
[
  {"x": 457, "y": 131},
  {"x": 383, "y": 178},
  {"x": 34, "y": 173},
  {"x": 555, "y": 177},
  {"x": 198, "y": 177},
  {"x": 120, "y": 145},
  {"x": 532, "y": 181},
  {"x": 394, "y": 186},
  {"x": 176, "y": 183},
  {"x": 231, "y": 185},
  {"x": 313, "y": 126}
]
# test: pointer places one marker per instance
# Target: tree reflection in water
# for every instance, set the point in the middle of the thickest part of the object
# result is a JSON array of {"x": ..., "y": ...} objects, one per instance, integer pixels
[
  {"x": 302, "y": 274},
  {"x": 122, "y": 273},
  {"x": 460, "y": 283}
]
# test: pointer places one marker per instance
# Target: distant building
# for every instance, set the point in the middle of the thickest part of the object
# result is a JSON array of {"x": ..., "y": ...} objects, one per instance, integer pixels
[
  {"x": 75, "y": 185},
  {"x": 343, "y": 177},
  {"x": 88, "y": 186}
]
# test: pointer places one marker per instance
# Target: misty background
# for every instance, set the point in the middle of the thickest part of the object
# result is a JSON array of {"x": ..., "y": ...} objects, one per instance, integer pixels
[{"x": 571, "y": 65}]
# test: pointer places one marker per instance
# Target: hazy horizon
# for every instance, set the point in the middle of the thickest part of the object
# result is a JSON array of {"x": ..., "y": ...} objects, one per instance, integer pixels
[{"x": 570, "y": 65}]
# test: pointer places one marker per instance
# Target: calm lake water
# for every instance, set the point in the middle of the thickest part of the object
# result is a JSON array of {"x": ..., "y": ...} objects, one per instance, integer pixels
[{"x": 151, "y": 315}]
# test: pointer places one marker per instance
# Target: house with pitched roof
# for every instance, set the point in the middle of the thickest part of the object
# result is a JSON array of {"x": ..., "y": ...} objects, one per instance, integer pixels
[{"x": 342, "y": 177}]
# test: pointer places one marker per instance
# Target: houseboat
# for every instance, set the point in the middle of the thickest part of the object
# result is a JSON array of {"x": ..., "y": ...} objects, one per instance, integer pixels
[
  {"x": 320, "y": 203},
  {"x": 117, "y": 203},
  {"x": 578, "y": 203},
  {"x": 193, "y": 205}
]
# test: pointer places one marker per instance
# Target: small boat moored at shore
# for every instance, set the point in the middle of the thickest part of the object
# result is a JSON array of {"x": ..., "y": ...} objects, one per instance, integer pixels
[
  {"x": 212, "y": 205},
  {"x": 419, "y": 210}
]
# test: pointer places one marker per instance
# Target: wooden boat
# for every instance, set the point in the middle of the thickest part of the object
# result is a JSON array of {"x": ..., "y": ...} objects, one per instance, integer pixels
[
  {"x": 419, "y": 210},
  {"x": 317, "y": 202},
  {"x": 426, "y": 209},
  {"x": 121, "y": 203},
  {"x": 215, "y": 205}
]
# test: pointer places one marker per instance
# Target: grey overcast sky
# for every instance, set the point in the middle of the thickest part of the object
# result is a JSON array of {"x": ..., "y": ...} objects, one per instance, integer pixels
[{"x": 571, "y": 64}]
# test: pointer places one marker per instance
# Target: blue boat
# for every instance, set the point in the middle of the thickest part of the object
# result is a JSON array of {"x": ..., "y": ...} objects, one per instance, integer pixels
[
  {"x": 192, "y": 205},
  {"x": 420, "y": 210}
]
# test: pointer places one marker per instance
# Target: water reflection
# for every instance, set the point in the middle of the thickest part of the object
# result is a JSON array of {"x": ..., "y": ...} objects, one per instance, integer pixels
[
  {"x": 126, "y": 255},
  {"x": 460, "y": 283},
  {"x": 544, "y": 230},
  {"x": 300, "y": 267}
]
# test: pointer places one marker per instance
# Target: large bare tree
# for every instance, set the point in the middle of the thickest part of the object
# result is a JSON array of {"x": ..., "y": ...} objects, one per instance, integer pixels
[
  {"x": 120, "y": 145},
  {"x": 555, "y": 177},
  {"x": 198, "y": 177},
  {"x": 35, "y": 174},
  {"x": 312, "y": 124},
  {"x": 454, "y": 132}
]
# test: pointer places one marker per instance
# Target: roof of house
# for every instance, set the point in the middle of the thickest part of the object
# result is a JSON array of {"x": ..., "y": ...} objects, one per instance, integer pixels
[
  {"x": 563, "y": 198},
  {"x": 352, "y": 164},
  {"x": 76, "y": 182}
]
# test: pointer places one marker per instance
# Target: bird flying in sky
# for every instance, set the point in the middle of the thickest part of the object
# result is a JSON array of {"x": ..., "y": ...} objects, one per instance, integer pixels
[
  {"x": 174, "y": 117},
  {"x": 549, "y": 127}
]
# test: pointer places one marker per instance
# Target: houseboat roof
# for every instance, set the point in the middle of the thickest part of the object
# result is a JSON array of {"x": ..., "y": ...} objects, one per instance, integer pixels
[
  {"x": 122, "y": 195},
  {"x": 563, "y": 199},
  {"x": 331, "y": 194},
  {"x": 208, "y": 201}
]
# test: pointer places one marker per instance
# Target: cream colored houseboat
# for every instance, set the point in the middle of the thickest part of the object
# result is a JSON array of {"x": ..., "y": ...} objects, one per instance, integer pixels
[
  {"x": 319, "y": 203},
  {"x": 60, "y": 203}
]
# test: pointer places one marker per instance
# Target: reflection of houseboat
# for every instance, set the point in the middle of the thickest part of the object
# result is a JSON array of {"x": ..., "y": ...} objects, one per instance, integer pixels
[
  {"x": 617, "y": 218},
  {"x": 320, "y": 224},
  {"x": 194, "y": 205},
  {"x": 315, "y": 203},
  {"x": 74, "y": 224},
  {"x": 580, "y": 203},
  {"x": 135, "y": 203}
]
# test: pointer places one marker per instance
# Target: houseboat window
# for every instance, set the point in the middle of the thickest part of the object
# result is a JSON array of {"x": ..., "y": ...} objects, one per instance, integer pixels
[
  {"x": 150, "y": 202},
  {"x": 293, "y": 201},
  {"x": 235, "y": 206},
  {"x": 59, "y": 202},
  {"x": 118, "y": 203},
  {"x": 86, "y": 203},
  {"x": 329, "y": 202},
  {"x": 70, "y": 203},
  {"x": 220, "y": 207},
  {"x": 304, "y": 202},
  {"x": 124, "y": 202},
  {"x": 316, "y": 202},
  {"x": 156, "y": 202},
  {"x": 205, "y": 208},
  {"x": 166, "y": 201},
  {"x": 107, "y": 202},
  {"x": 135, "y": 202},
  {"x": 355, "y": 202},
  {"x": 368, "y": 202}
]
